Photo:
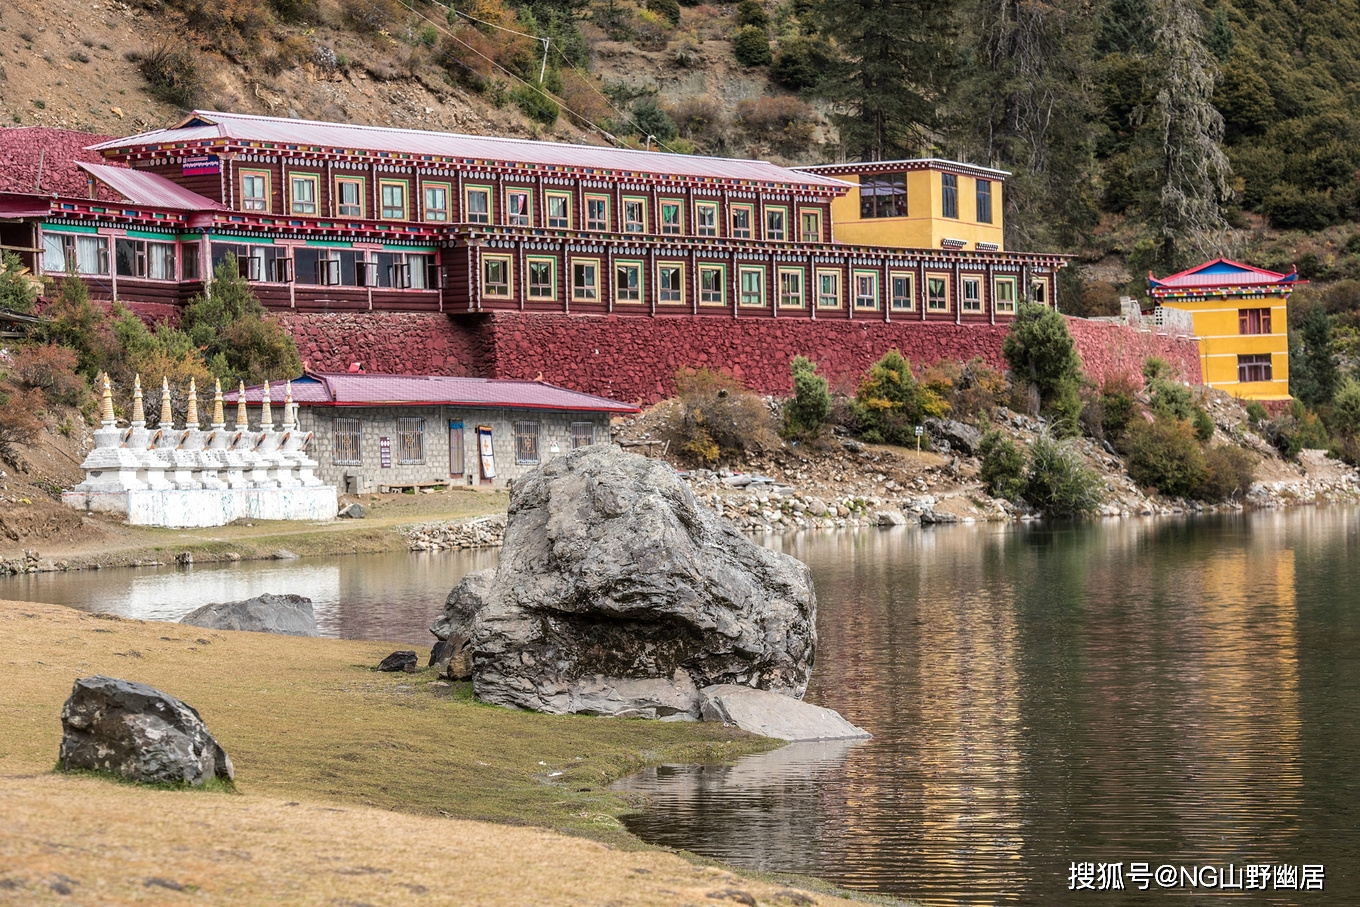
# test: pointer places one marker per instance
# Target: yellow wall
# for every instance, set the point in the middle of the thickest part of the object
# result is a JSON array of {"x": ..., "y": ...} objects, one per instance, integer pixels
[
  {"x": 924, "y": 227},
  {"x": 1220, "y": 343}
]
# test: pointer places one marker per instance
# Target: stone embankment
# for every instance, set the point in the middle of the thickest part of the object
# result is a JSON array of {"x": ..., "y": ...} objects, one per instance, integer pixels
[{"x": 482, "y": 532}]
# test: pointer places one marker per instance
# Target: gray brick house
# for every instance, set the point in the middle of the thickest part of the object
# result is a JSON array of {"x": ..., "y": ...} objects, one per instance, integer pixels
[{"x": 376, "y": 432}]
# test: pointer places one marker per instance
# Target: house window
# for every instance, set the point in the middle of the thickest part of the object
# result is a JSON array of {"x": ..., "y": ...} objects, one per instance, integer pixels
[
  {"x": 742, "y": 215},
  {"x": 670, "y": 217},
  {"x": 1039, "y": 291},
  {"x": 478, "y": 205},
  {"x": 258, "y": 263},
  {"x": 496, "y": 276},
  {"x": 410, "y": 441},
  {"x": 984, "y": 201},
  {"x": 421, "y": 272},
  {"x": 136, "y": 258},
  {"x": 706, "y": 217},
  {"x": 752, "y": 286},
  {"x": 349, "y": 198},
  {"x": 302, "y": 192},
  {"x": 883, "y": 195},
  {"x": 189, "y": 261},
  {"x": 63, "y": 252},
  {"x": 254, "y": 190},
  {"x": 949, "y": 197},
  {"x": 585, "y": 280},
  {"x": 790, "y": 288},
  {"x": 775, "y": 221},
  {"x": 582, "y": 434},
  {"x": 828, "y": 289},
  {"x": 517, "y": 208},
  {"x": 526, "y": 442},
  {"x": 903, "y": 297},
  {"x": 393, "y": 195},
  {"x": 333, "y": 267},
  {"x": 559, "y": 210},
  {"x": 628, "y": 281},
  {"x": 711, "y": 285},
  {"x": 597, "y": 212},
  {"x": 542, "y": 278},
  {"x": 1005, "y": 294},
  {"x": 972, "y": 294},
  {"x": 1253, "y": 321},
  {"x": 634, "y": 215},
  {"x": 400, "y": 270},
  {"x": 1254, "y": 368},
  {"x": 436, "y": 202},
  {"x": 812, "y": 226},
  {"x": 670, "y": 281},
  {"x": 866, "y": 290},
  {"x": 937, "y": 294},
  {"x": 347, "y": 450}
]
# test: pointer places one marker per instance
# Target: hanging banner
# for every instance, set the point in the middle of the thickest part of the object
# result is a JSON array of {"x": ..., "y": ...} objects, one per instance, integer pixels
[
  {"x": 487, "y": 452},
  {"x": 385, "y": 452},
  {"x": 201, "y": 164}
]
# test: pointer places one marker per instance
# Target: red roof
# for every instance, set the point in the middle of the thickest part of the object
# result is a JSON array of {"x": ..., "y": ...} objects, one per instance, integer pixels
[
  {"x": 1221, "y": 272},
  {"x": 358, "y": 389},
  {"x": 213, "y": 128},
  {"x": 59, "y": 150},
  {"x": 142, "y": 188}
]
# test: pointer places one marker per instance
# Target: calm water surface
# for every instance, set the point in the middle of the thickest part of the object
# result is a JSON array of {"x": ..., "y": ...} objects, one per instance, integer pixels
[{"x": 1183, "y": 692}]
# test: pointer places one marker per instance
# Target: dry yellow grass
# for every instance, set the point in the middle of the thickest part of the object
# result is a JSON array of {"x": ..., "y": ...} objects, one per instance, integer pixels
[{"x": 354, "y": 787}]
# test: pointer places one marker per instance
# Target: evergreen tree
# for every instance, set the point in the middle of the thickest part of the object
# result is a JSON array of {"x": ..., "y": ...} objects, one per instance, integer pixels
[
  {"x": 1313, "y": 375},
  {"x": 230, "y": 327},
  {"x": 897, "y": 59},
  {"x": 17, "y": 293}
]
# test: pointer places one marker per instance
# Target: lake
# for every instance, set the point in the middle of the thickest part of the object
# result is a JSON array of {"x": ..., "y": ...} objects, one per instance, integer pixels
[{"x": 1047, "y": 701}]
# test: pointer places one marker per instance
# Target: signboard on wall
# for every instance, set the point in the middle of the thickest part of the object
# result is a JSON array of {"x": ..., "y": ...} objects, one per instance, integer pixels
[
  {"x": 200, "y": 165},
  {"x": 487, "y": 452},
  {"x": 385, "y": 451}
]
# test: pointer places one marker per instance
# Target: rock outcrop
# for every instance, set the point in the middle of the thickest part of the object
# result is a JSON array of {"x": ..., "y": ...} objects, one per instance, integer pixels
[
  {"x": 290, "y": 615},
  {"x": 139, "y": 733},
  {"x": 770, "y": 715},
  {"x": 403, "y": 661},
  {"x": 619, "y": 594}
]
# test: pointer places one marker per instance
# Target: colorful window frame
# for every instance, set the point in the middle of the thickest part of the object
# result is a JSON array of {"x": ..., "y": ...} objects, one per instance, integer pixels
[
  {"x": 436, "y": 200},
  {"x": 865, "y": 285},
  {"x": 541, "y": 280},
  {"x": 477, "y": 204},
  {"x": 498, "y": 276},
  {"x": 257, "y": 191},
  {"x": 809, "y": 225},
  {"x": 972, "y": 294},
  {"x": 937, "y": 293},
  {"x": 1004, "y": 301},
  {"x": 585, "y": 279},
  {"x": 743, "y": 219},
  {"x": 304, "y": 193},
  {"x": 634, "y": 214},
  {"x": 670, "y": 282},
  {"x": 776, "y": 223},
  {"x": 828, "y": 288},
  {"x": 628, "y": 282},
  {"x": 751, "y": 287},
  {"x": 706, "y": 218},
  {"x": 557, "y": 210},
  {"x": 597, "y": 213},
  {"x": 791, "y": 284},
  {"x": 902, "y": 291},
  {"x": 350, "y": 193},
  {"x": 519, "y": 207},
  {"x": 712, "y": 284},
  {"x": 1039, "y": 290},
  {"x": 394, "y": 199},
  {"x": 672, "y": 216}
]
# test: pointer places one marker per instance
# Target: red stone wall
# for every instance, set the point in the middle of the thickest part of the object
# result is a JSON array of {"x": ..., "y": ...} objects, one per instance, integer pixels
[
  {"x": 403, "y": 343},
  {"x": 635, "y": 359}
]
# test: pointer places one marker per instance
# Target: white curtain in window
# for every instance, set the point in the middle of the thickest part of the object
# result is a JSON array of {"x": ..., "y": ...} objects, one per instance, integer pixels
[
  {"x": 91, "y": 257},
  {"x": 54, "y": 252},
  {"x": 160, "y": 261}
]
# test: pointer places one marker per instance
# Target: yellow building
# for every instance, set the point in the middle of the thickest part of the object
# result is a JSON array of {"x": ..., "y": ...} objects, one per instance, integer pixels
[
  {"x": 1240, "y": 322},
  {"x": 918, "y": 204}
]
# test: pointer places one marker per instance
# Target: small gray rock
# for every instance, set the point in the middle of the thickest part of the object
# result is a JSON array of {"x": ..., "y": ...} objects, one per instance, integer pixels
[
  {"x": 773, "y": 715},
  {"x": 404, "y": 661},
  {"x": 353, "y": 511},
  {"x": 138, "y": 733},
  {"x": 889, "y": 518},
  {"x": 283, "y": 554},
  {"x": 289, "y": 615}
]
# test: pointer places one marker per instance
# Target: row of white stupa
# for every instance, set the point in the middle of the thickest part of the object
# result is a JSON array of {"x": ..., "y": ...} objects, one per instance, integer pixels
[{"x": 193, "y": 476}]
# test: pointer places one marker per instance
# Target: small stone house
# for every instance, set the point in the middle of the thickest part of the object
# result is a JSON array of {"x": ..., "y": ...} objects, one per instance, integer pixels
[{"x": 381, "y": 432}]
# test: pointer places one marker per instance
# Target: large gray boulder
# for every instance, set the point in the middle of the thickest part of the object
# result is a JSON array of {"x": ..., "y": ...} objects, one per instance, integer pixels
[
  {"x": 290, "y": 615},
  {"x": 958, "y": 436},
  {"x": 617, "y": 593},
  {"x": 770, "y": 715},
  {"x": 139, "y": 733}
]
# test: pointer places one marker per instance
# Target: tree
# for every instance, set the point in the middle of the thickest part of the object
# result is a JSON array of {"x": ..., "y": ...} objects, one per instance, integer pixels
[
  {"x": 889, "y": 403},
  {"x": 897, "y": 60},
  {"x": 237, "y": 339},
  {"x": 1040, "y": 350},
  {"x": 73, "y": 321},
  {"x": 806, "y": 413},
  {"x": 17, "y": 292},
  {"x": 1312, "y": 359}
]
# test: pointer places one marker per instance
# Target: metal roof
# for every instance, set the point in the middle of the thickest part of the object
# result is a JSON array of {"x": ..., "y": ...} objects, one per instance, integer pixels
[
  {"x": 363, "y": 389},
  {"x": 208, "y": 127},
  {"x": 1222, "y": 272},
  {"x": 919, "y": 163},
  {"x": 142, "y": 188}
]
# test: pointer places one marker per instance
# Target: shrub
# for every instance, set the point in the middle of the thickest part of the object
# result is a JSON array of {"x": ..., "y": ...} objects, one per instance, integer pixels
[
  {"x": 76, "y": 323},
  {"x": 751, "y": 46},
  {"x": 1058, "y": 483},
  {"x": 295, "y": 10},
  {"x": 805, "y": 414},
  {"x": 717, "y": 418},
  {"x": 1230, "y": 470},
  {"x": 752, "y": 13},
  {"x": 17, "y": 292},
  {"x": 19, "y": 422},
  {"x": 50, "y": 369},
  {"x": 787, "y": 122},
  {"x": 888, "y": 403},
  {"x": 651, "y": 120},
  {"x": 697, "y": 118},
  {"x": 1204, "y": 425},
  {"x": 1039, "y": 349},
  {"x": 1003, "y": 466},
  {"x": 237, "y": 339},
  {"x": 802, "y": 63},
  {"x": 1117, "y": 406},
  {"x": 1291, "y": 208},
  {"x": 172, "y": 75},
  {"x": 666, "y": 9},
  {"x": 1170, "y": 398},
  {"x": 1165, "y": 456},
  {"x": 1064, "y": 408},
  {"x": 535, "y": 104},
  {"x": 652, "y": 31},
  {"x": 979, "y": 389},
  {"x": 372, "y": 15},
  {"x": 1256, "y": 413},
  {"x": 1345, "y": 415}
]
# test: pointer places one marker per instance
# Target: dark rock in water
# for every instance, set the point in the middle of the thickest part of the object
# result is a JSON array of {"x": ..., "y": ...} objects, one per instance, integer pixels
[
  {"x": 399, "y": 661},
  {"x": 955, "y": 435},
  {"x": 139, "y": 733},
  {"x": 617, "y": 593},
  {"x": 353, "y": 512},
  {"x": 290, "y": 615},
  {"x": 452, "y": 659}
]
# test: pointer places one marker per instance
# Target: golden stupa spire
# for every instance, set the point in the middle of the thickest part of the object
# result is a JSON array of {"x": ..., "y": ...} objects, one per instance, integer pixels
[
  {"x": 167, "y": 417},
  {"x": 138, "y": 415},
  {"x": 219, "y": 418},
  {"x": 266, "y": 414},
  {"x": 191, "y": 420},
  {"x": 106, "y": 402},
  {"x": 242, "y": 420}
]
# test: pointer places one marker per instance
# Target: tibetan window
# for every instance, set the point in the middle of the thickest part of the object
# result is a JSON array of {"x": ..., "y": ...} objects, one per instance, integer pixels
[{"x": 410, "y": 441}]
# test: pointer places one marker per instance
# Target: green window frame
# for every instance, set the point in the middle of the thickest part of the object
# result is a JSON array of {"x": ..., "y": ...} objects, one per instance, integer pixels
[
  {"x": 393, "y": 196},
  {"x": 349, "y": 196},
  {"x": 255, "y": 190},
  {"x": 436, "y": 197},
  {"x": 972, "y": 294},
  {"x": 634, "y": 215},
  {"x": 742, "y": 216},
  {"x": 791, "y": 288},
  {"x": 776, "y": 224},
  {"x": 519, "y": 207},
  {"x": 670, "y": 282},
  {"x": 751, "y": 286},
  {"x": 712, "y": 284},
  {"x": 1005, "y": 295},
  {"x": 497, "y": 276},
  {"x": 865, "y": 284},
  {"x": 706, "y": 218},
  {"x": 672, "y": 216},
  {"x": 937, "y": 293},
  {"x": 542, "y": 279},
  {"x": 585, "y": 279},
  {"x": 903, "y": 287},
  {"x": 828, "y": 289},
  {"x": 559, "y": 210},
  {"x": 597, "y": 212},
  {"x": 477, "y": 203},
  {"x": 304, "y": 191},
  {"x": 628, "y": 286}
]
